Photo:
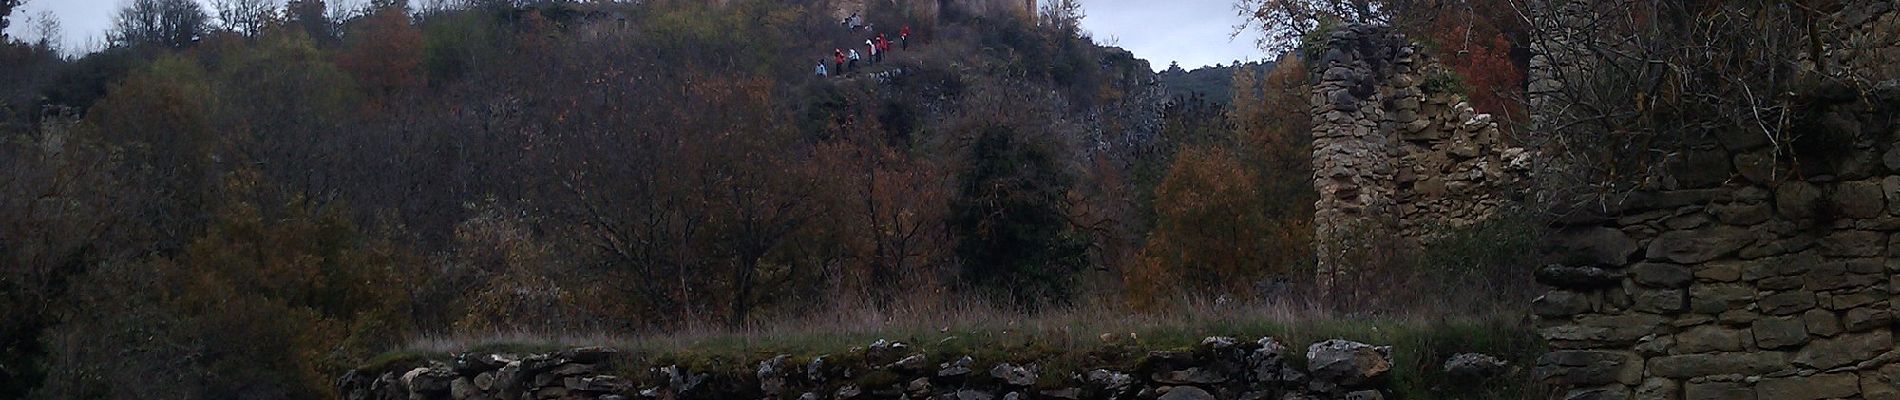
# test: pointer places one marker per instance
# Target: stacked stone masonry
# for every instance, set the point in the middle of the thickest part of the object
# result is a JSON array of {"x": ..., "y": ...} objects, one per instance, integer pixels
[
  {"x": 1219, "y": 368},
  {"x": 1752, "y": 278},
  {"x": 1396, "y": 152}
]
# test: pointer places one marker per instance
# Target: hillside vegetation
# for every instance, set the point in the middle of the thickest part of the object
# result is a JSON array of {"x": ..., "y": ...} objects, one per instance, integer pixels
[{"x": 246, "y": 206}]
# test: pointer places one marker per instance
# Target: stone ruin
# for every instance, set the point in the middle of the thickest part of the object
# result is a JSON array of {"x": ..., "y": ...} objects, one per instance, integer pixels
[
  {"x": 1396, "y": 153},
  {"x": 1745, "y": 276}
]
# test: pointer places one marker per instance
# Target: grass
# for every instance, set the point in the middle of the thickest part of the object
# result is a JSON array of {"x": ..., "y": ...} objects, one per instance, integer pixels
[{"x": 1059, "y": 341}]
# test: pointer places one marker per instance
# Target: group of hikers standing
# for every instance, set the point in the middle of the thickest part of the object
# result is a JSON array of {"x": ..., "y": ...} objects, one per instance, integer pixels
[{"x": 846, "y": 60}]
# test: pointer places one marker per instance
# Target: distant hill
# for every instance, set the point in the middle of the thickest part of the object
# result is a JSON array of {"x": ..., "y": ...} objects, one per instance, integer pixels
[{"x": 1214, "y": 83}]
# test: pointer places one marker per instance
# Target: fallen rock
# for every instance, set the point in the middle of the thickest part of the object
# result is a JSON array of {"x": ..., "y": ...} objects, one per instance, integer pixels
[{"x": 1347, "y": 363}]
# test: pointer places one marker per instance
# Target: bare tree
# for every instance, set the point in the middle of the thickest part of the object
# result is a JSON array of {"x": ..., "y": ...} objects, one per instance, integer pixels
[
  {"x": 173, "y": 23},
  {"x": 47, "y": 32},
  {"x": 1630, "y": 95},
  {"x": 245, "y": 17}
]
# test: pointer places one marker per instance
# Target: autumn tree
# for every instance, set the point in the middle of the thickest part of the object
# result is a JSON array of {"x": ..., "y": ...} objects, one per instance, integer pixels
[
  {"x": 886, "y": 209},
  {"x": 170, "y": 23},
  {"x": 162, "y": 118},
  {"x": 384, "y": 52},
  {"x": 1210, "y": 235},
  {"x": 270, "y": 301}
]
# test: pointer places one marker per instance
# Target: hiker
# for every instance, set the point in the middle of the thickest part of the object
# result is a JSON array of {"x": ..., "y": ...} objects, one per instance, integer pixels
[
  {"x": 853, "y": 66},
  {"x": 871, "y": 46},
  {"x": 883, "y": 46},
  {"x": 903, "y": 38},
  {"x": 838, "y": 54},
  {"x": 851, "y": 22},
  {"x": 821, "y": 68}
]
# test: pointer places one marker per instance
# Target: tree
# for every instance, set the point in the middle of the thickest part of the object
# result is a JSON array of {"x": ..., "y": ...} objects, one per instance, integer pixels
[
  {"x": 269, "y": 303},
  {"x": 246, "y": 17},
  {"x": 1013, "y": 236},
  {"x": 310, "y": 15},
  {"x": 1210, "y": 234},
  {"x": 170, "y": 23},
  {"x": 162, "y": 118},
  {"x": 1286, "y": 22},
  {"x": 384, "y": 52}
]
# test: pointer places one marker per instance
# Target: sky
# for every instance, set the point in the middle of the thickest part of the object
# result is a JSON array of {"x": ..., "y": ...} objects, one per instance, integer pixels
[{"x": 1195, "y": 33}]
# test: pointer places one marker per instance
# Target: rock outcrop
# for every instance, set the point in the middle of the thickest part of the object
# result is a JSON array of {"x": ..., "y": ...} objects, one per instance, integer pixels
[{"x": 1219, "y": 368}]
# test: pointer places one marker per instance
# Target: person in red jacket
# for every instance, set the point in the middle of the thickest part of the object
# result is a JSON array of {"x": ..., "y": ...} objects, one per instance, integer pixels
[
  {"x": 903, "y": 37},
  {"x": 838, "y": 56},
  {"x": 883, "y": 46}
]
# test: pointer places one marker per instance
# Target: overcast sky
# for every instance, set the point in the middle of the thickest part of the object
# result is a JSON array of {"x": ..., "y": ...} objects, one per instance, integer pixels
[{"x": 1193, "y": 32}]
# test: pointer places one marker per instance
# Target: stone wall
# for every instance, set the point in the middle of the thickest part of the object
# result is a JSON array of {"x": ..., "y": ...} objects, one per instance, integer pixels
[
  {"x": 1750, "y": 276},
  {"x": 1219, "y": 368},
  {"x": 1397, "y": 152}
]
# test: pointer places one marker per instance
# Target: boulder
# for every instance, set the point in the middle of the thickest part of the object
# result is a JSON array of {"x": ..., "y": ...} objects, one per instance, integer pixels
[{"x": 1347, "y": 363}]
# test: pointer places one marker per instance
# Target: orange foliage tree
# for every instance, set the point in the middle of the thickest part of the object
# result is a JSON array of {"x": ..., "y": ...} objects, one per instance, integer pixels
[
  {"x": 384, "y": 52},
  {"x": 1210, "y": 230}
]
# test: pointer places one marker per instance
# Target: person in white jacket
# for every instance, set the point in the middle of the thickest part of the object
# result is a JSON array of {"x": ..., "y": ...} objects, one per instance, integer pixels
[{"x": 853, "y": 66}]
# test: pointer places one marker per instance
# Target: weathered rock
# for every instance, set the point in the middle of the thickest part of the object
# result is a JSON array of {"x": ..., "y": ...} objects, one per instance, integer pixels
[
  {"x": 1347, "y": 363},
  {"x": 1577, "y": 277},
  {"x": 1589, "y": 367},
  {"x": 1185, "y": 393},
  {"x": 1716, "y": 390},
  {"x": 1109, "y": 380},
  {"x": 1774, "y": 333},
  {"x": 1560, "y": 303},
  {"x": 1661, "y": 275},
  {"x": 771, "y": 374},
  {"x": 1600, "y": 245},
  {"x": 1844, "y": 350},
  {"x": 1859, "y": 199},
  {"x": 1473, "y": 366},
  {"x": 1814, "y": 387},
  {"x": 1709, "y": 338},
  {"x": 1699, "y": 365},
  {"x": 1700, "y": 245},
  {"x": 957, "y": 367},
  {"x": 1013, "y": 374}
]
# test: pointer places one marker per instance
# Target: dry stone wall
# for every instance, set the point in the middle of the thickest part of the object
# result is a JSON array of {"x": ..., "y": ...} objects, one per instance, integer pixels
[
  {"x": 1397, "y": 152},
  {"x": 1751, "y": 277},
  {"x": 1219, "y": 368}
]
